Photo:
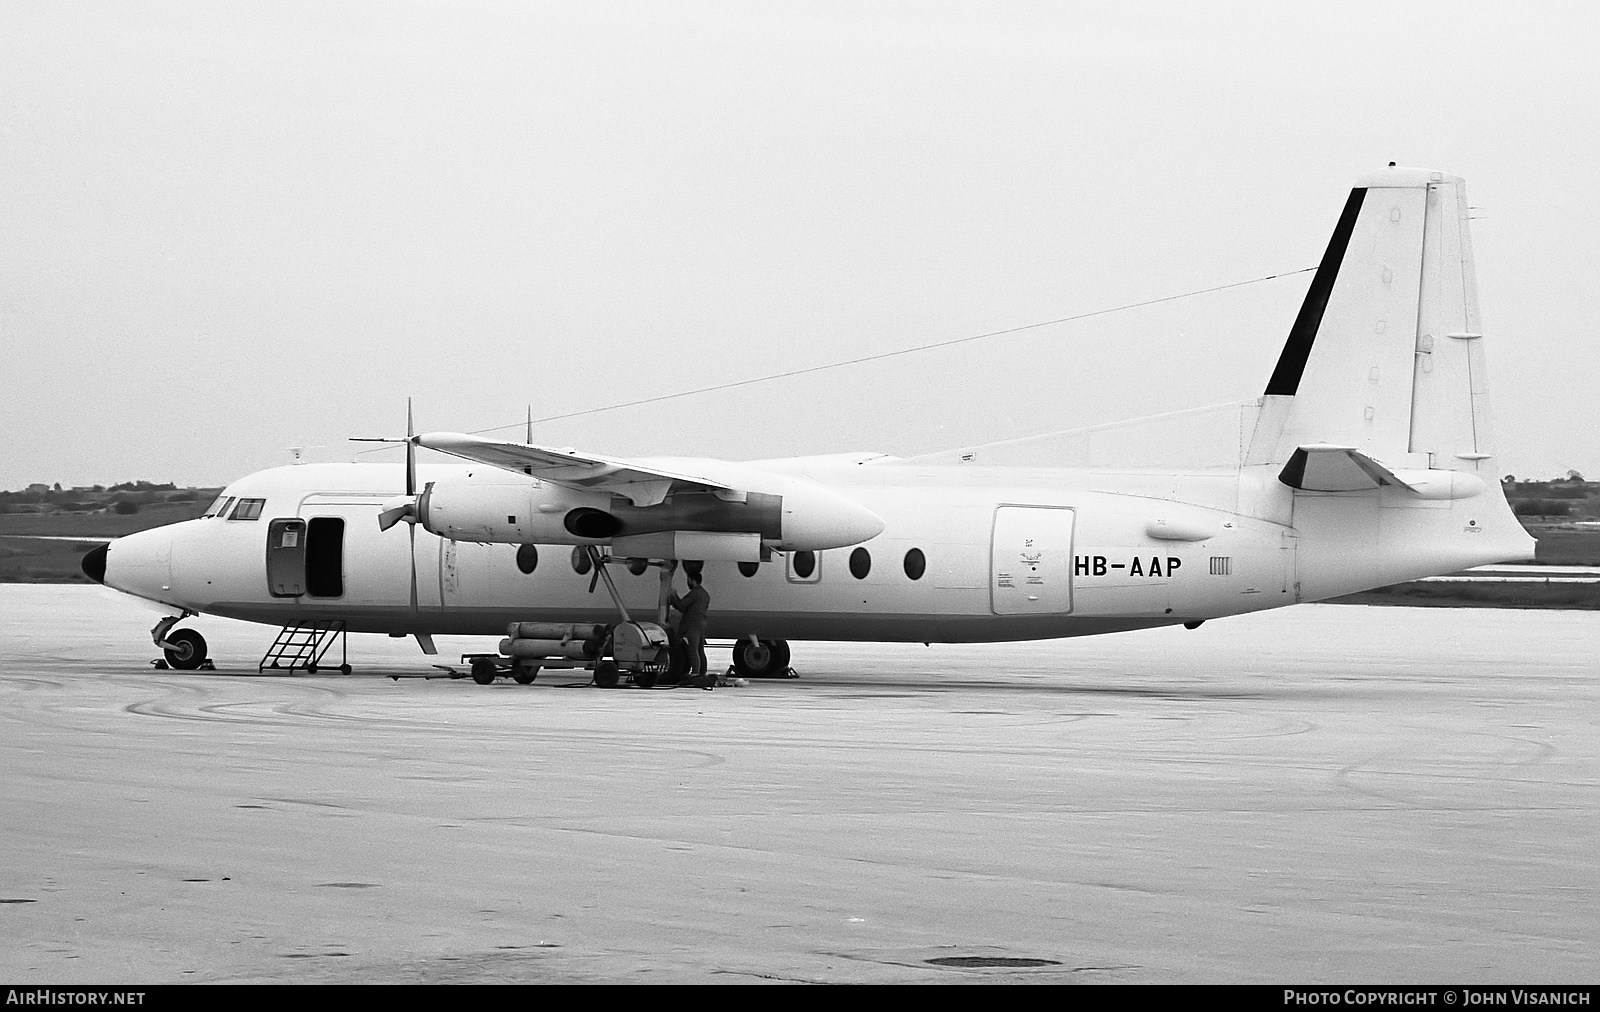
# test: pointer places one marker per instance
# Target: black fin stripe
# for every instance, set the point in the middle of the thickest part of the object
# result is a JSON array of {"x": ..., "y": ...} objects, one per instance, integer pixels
[{"x": 1297, "y": 349}]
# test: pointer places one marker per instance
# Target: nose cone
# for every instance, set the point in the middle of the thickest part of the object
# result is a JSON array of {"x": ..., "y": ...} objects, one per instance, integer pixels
[
  {"x": 94, "y": 564},
  {"x": 139, "y": 564}
]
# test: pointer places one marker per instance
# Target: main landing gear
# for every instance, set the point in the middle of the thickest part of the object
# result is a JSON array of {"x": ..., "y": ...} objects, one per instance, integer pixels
[
  {"x": 753, "y": 658},
  {"x": 638, "y": 650}
]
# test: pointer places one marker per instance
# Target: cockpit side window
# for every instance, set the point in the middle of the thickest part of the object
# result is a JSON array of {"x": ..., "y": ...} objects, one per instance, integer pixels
[
  {"x": 248, "y": 509},
  {"x": 219, "y": 507}
]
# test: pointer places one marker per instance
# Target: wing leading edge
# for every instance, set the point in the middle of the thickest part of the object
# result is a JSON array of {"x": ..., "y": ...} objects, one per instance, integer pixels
[{"x": 642, "y": 484}]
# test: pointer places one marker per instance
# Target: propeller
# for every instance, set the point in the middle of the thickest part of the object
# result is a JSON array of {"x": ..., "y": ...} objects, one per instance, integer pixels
[
  {"x": 405, "y": 509},
  {"x": 396, "y": 510}
]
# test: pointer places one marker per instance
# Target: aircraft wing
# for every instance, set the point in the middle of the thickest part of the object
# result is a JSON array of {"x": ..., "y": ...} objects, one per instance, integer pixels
[{"x": 644, "y": 484}]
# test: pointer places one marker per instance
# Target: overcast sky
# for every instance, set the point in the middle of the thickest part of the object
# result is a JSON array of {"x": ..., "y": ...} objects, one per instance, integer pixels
[{"x": 228, "y": 229}]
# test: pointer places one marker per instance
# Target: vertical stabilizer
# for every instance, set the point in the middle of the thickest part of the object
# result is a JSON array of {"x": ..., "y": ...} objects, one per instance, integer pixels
[
  {"x": 1386, "y": 354},
  {"x": 1373, "y": 437}
]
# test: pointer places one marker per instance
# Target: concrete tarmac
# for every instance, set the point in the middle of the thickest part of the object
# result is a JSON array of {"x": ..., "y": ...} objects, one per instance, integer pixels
[{"x": 1320, "y": 794}]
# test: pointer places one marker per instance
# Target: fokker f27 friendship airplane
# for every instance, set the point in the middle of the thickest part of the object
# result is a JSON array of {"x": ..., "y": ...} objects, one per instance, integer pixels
[{"x": 1366, "y": 462}]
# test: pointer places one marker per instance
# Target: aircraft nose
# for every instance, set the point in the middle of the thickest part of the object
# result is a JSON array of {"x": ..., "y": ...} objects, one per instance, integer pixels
[
  {"x": 94, "y": 564},
  {"x": 139, "y": 564}
]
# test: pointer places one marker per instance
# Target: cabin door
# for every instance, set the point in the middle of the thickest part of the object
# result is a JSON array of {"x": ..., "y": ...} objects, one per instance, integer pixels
[
  {"x": 306, "y": 557},
  {"x": 1031, "y": 560}
]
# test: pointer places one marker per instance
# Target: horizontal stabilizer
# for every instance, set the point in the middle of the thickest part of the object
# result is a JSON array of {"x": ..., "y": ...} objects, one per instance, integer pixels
[{"x": 1324, "y": 467}]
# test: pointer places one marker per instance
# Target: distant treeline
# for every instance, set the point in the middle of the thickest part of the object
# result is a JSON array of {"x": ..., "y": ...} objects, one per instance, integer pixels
[
  {"x": 125, "y": 498},
  {"x": 1571, "y": 497}
]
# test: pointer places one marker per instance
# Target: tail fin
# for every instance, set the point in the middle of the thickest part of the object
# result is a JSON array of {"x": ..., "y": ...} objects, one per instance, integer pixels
[
  {"x": 1386, "y": 354},
  {"x": 1379, "y": 398}
]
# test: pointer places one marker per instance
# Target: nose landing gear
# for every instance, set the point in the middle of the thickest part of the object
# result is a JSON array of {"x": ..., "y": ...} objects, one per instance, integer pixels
[{"x": 184, "y": 649}]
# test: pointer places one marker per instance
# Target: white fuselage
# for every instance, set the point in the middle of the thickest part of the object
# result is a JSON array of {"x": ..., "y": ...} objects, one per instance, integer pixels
[{"x": 967, "y": 554}]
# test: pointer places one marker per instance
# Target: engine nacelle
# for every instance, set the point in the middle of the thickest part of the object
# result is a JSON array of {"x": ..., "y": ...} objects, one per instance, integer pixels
[{"x": 507, "y": 509}]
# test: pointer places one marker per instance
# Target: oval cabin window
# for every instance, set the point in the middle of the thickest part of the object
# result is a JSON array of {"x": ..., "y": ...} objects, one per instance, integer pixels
[
  {"x": 749, "y": 568},
  {"x": 805, "y": 563},
  {"x": 916, "y": 564},
  {"x": 527, "y": 558},
  {"x": 860, "y": 563},
  {"x": 581, "y": 563}
]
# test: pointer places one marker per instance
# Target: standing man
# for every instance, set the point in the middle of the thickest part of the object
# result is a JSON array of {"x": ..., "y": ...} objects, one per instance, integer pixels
[{"x": 692, "y": 627}]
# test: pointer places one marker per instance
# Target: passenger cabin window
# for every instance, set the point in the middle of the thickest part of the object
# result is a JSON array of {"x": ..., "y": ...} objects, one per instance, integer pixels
[
  {"x": 749, "y": 568},
  {"x": 916, "y": 564},
  {"x": 527, "y": 559},
  {"x": 581, "y": 563},
  {"x": 804, "y": 567},
  {"x": 248, "y": 509},
  {"x": 860, "y": 563}
]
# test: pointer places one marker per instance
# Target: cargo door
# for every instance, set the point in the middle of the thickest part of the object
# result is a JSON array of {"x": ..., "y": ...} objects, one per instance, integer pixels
[{"x": 1031, "y": 560}]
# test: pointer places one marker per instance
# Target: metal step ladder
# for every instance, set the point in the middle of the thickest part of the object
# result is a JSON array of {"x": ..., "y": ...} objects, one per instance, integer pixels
[{"x": 302, "y": 646}]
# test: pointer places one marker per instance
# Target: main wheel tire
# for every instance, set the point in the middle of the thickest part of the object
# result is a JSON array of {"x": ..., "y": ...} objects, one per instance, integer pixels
[
  {"x": 763, "y": 659},
  {"x": 606, "y": 675},
  {"x": 188, "y": 649},
  {"x": 484, "y": 671},
  {"x": 524, "y": 674}
]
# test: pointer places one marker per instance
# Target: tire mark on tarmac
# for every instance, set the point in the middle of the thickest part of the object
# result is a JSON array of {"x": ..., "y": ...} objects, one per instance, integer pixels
[
  {"x": 1483, "y": 771},
  {"x": 28, "y": 683},
  {"x": 182, "y": 701}
]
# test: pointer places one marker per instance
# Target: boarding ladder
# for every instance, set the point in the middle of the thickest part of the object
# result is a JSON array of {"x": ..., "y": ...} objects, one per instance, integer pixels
[{"x": 303, "y": 644}]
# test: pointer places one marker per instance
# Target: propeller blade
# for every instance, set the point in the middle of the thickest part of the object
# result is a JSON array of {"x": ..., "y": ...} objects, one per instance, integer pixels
[
  {"x": 406, "y": 511},
  {"x": 429, "y": 643},
  {"x": 411, "y": 453}
]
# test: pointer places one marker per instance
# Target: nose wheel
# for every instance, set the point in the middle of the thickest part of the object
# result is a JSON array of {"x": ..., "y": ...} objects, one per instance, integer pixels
[{"x": 185, "y": 649}]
